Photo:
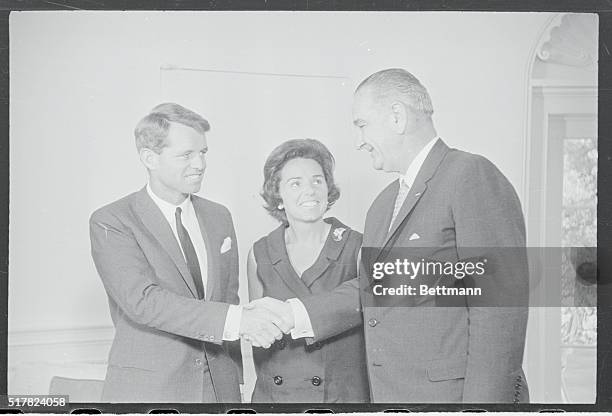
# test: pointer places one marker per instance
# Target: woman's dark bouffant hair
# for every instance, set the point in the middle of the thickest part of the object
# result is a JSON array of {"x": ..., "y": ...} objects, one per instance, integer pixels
[{"x": 293, "y": 149}]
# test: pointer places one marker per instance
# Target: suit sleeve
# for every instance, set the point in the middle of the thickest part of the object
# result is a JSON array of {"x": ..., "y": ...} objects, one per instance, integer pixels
[
  {"x": 233, "y": 348},
  {"x": 332, "y": 313},
  {"x": 133, "y": 285},
  {"x": 489, "y": 223}
]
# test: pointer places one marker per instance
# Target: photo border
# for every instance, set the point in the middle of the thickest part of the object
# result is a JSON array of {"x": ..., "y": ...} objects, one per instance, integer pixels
[{"x": 604, "y": 209}]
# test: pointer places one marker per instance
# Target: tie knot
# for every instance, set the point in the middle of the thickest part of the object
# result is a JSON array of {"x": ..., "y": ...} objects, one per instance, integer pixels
[{"x": 177, "y": 213}]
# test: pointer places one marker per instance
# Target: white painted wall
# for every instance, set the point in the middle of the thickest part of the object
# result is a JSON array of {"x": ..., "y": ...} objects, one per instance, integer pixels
[{"x": 81, "y": 80}]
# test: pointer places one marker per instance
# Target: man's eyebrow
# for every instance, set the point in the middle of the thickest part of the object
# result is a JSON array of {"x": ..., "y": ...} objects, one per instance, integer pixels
[{"x": 191, "y": 150}]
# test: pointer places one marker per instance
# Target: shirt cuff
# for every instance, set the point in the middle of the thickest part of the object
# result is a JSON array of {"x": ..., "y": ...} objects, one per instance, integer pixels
[
  {"x": 231, "y": 330},
  {"x": 303, "y": 326}
]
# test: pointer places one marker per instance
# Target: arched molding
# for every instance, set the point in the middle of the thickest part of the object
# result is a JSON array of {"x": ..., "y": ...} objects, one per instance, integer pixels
[
  {"x": 570, "y": 40},
  {"x": 561, "y": 102},
  {"x": 561, "y": 75}
]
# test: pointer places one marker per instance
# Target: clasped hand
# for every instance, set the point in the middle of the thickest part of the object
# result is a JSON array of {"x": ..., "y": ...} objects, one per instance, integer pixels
[{"x": 265, "y": 320}]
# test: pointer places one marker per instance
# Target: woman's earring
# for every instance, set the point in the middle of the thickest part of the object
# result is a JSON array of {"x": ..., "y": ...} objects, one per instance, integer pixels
[{"x": 281, "y": 206}]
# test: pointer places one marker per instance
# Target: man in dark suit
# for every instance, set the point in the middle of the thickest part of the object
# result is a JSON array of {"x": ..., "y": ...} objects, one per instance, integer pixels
[
  {"x": 447, "y": 206},
  {"x": 168, "y": 260}
]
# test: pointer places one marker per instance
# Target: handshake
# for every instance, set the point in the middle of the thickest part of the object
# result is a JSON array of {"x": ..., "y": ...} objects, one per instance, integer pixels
[{"x": 265, "y": 320}]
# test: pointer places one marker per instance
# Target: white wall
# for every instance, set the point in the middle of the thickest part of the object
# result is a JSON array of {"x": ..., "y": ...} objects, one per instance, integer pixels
[{"x": 81, "y": 80}]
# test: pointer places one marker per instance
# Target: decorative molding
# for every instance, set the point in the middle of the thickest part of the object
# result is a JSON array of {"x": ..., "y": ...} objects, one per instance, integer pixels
[
  {"x": 62, "y": 345},
  {"x": 574, "y": 91},
  {"x": 577, "y": 126},
  {"x": 561, "y": 79},
  {"x": 571, "y": 40},
  {"x": 35, "y": 356},
  {"x": 558, "y": 82},
  {"x": 60, "y": 336}
]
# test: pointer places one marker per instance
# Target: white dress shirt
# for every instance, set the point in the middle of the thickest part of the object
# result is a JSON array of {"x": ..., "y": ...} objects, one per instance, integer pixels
[
  {"x": 190, "y": 222},
  {"x": 303, "y": 326}
]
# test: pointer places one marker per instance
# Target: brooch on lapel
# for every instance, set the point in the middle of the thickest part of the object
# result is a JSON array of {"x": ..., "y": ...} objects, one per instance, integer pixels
[{"x": 337, "y": 234}]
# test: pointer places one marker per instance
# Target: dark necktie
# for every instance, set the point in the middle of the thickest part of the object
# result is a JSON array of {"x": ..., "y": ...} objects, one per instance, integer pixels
[{"x": 190, "y": 254}]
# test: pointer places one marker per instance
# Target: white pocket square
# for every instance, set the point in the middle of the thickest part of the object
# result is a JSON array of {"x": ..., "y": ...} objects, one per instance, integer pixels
[
  {"x": 414, "y": 236},
  {"x": 227, "y": 244}
]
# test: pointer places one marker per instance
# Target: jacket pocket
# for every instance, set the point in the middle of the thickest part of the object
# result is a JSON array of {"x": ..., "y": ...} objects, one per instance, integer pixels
[{"x": 447, "y": 369}]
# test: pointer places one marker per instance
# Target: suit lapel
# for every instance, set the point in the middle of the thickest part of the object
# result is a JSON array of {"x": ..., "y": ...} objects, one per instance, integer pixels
[
  {"x": 277, "y": 251},
  {"x": 212, "y": 259},
  {"x": 386, "y": 199},
  {"x": 156, "y": 223},
  {"x": 336, "y": 239},
  {"x": 427, "y": 171},
  {"x": 415, "y": 193}
]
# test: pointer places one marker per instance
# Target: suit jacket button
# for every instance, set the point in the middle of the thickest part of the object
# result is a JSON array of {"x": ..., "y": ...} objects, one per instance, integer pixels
[
  {"x": 372, "y": 322},
  {"x": 316, "y": 381},
  {"x": 278, "y": 380},
  {"x": 282, "y": 344},
  {"x": 198, "y": 362}
]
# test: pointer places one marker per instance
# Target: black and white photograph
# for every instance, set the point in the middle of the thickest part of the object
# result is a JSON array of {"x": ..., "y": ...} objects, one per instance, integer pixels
[{"x": 303, "y": 207}]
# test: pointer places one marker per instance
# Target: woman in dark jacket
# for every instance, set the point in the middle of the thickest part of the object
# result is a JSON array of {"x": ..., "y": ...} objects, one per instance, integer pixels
[{"x": 304, "y": 256}]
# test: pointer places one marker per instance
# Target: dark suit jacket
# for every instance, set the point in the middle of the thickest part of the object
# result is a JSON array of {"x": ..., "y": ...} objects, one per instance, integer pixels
[
  {"x": 460, "y": 205},
  {"x": 168, "y": 344},
  {"x": 332, "y": 371}
]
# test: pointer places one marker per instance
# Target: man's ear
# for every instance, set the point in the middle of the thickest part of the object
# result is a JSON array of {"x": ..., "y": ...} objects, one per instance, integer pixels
[
  {"x": 149, "y": 158},
  {"x": 400, "y": 117}
]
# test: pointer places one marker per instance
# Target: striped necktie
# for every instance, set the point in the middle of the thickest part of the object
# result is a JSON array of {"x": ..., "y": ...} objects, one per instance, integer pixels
[{"x": 402, "y": 193}]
